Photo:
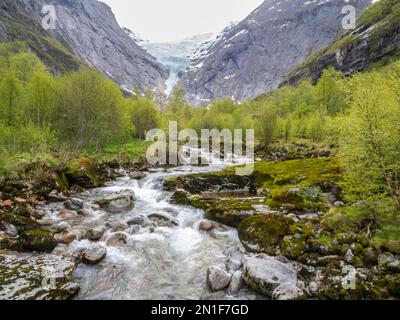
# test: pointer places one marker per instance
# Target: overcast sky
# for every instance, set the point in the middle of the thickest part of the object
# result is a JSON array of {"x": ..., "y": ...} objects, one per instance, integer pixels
[{"x": 172, "y": 20}]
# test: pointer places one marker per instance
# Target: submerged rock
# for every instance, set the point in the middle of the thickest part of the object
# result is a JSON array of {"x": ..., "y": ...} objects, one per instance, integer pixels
[
  {"x": 218, "y": 278},
  {"x": 41, "y": 277},
  {"x": 118, "y": 202},
  {"x": 94, "y": 255},
  {"x": 264, "y": 274}
]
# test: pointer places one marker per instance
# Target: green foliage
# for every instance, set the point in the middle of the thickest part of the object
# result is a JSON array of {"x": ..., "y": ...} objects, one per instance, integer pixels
[{"x": 144, "y": 115}]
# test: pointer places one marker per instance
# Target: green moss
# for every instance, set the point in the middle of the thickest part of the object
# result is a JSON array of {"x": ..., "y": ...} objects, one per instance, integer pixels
[
  {"x": 82, "y": 172},
  {"x": 38, "y": 240},
  {"x": 262, "y": 233},
  {"x": 347, "y": 219},
  {"x": 388, "y": 238}
]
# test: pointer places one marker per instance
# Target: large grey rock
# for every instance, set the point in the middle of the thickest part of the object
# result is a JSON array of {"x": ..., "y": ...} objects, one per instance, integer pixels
[
  {"x": 218, "y": 278},
  {"x": 94, "y": 255},
  {"x": 264, "y": 274},
  {"x": 39, "y": 277},
  {"x": 254, "y": 56},
  {"x": 95, "y": 234},
  {"x": 118, "y": 202},
  {"x": 236, "y": 282}
]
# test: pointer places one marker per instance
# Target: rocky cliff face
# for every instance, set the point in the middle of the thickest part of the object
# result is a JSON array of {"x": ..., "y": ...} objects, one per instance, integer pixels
[
  {"x": 89, "y": 29},
  {"x": 375, "y": 42},
  {"x": 17, "y": 24},
  {"x": 255, "y": 55}
]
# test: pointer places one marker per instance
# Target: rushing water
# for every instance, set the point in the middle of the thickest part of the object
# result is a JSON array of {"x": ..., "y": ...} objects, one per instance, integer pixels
[{"x": 160, "y": 263}]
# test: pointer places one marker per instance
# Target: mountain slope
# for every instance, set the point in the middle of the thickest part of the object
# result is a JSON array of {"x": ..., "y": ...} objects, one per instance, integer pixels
[
  {"x": 376, "y": 41},
  {"x": 255, "y": 55},
  {"x": 16, "y": 24}
]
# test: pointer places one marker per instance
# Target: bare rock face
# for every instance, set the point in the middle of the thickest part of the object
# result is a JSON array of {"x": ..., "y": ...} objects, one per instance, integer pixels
[
  {"x": 254, "y": 56},
  {"x": 89, "y": 29},
  {"x": 40, "y": 277}
]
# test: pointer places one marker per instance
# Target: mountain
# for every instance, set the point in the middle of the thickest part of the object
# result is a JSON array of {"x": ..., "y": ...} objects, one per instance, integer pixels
[
  {"x": 88, "y": 28},
  {"x": 255, "y": 55},
  {"x": 135, "y": 37},
  {"x": 17, "y": 24},
  {"x": 175, "y": 56},
  {"x": 375, "y": 42}
]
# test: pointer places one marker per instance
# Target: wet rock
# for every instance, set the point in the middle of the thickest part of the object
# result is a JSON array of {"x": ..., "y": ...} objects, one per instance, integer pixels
[
  {"x": 181, "y": 197},
  {"x": 163, "y": 220},
  {"x": 38, "y": 240},
  {"x": 117, "y": 239},
  {"x": 83, "y": 212},
  {"x": 138, "y": 220},
  {"x": 288, "y": 291},
  {"x": 217, "y": 278},
  {"x": 73, "y": 204},
  {"x": 116, "y": 226},
  {"x": 94, "y": 255},
  {"x": 82, "y": 173},
  {"x": 42, "y": 277},
  {"x": 95, "y": 234},
  {"x": 118, "y": 202},
  {"x": 236, "y": 282},
  {"x": 234, "y": 259},
  {"x": 66, "y": 214},
  {"x": 262, "y": 233},
  {"x": 62, "y": 227},
  {"x": 56, "y": 196},
  {"x": 228, "y": 217},
  {"x": 133, "y": 229},
  {"x": 65, "y": 238},
  {"x": 205, "y": 225},
  {"x": 264, "y": 274},
  {"x": 137, "y": 175}
]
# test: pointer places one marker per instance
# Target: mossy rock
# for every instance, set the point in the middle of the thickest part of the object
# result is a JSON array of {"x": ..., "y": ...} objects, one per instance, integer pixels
[
  {"x": 293, "y": 246},
  {"x": 286, "y": 197},
  {"x": 230, "y": 218},
  {"x": 38, "y": 240},
  {"x": 263, "y": 233},
  {"x": 392, "y": 283},
  {"x": 81, "y": 172}
]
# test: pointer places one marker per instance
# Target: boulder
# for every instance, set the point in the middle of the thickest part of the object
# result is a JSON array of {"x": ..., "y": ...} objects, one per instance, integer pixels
[
  {"x": 264, "y": 274},
  {"x": 236, "y": 282},
  {"x": 118, "y": 202},
  {"x": 218, "y": 278},
  {"x": 116, "y": 240},
  {"x": 94, "y": 255},
  {"x": 205, "y": 225},
  {"x": 73, "y": 204},
  {"x": 137, "y": 175},
  {"x": 138, "y": 220},
  {"x": 95, "y": 234},
  {"x": 263, "y": 233},
  {"x": 39, "y": 277},
  {"x": 38, "y": 240},
  {"x": 288, "y": 291},
  {"x": 163, "y": 220},
  {"x": 56, "y": 196}
]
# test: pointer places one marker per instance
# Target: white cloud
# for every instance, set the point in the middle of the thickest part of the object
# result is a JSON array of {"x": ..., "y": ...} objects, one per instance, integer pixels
[{"x": 171, "y": 20}]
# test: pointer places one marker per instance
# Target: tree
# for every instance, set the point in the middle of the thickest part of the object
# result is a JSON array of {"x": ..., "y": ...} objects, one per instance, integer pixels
[
  {"x": 41, "y": 99},
  {"x": 90, "y": 110},
  {"x": 370, "y": 139},
  {"x": 144, "y": 116},
  {"x": 10, "y": 93},
  {"x": 267, "y": 123}
]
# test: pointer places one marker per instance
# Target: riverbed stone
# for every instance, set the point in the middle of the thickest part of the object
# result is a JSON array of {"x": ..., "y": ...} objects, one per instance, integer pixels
[
  {"x": 205, "y": 225},
  {"x": 65, "y": 237},
  {"x": 218, "y": 278},
  {"x": 140, "y": 220},
  {"x": 39, "y": 277},
  {"x": 94, "y": 255},
  {"x": 264, "y": 274},
  {"x": 137, "y": 175},
  {"x": 117, "y": 239},
  {"x": 236, "y": 282},
  {"x": 73, "y": 204},
  {"x": 95, "y": 234},
  {"x": 118, "y": 202},
  {"x": 163, "y": 220},
  {"x": 66, "y": 214}
]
